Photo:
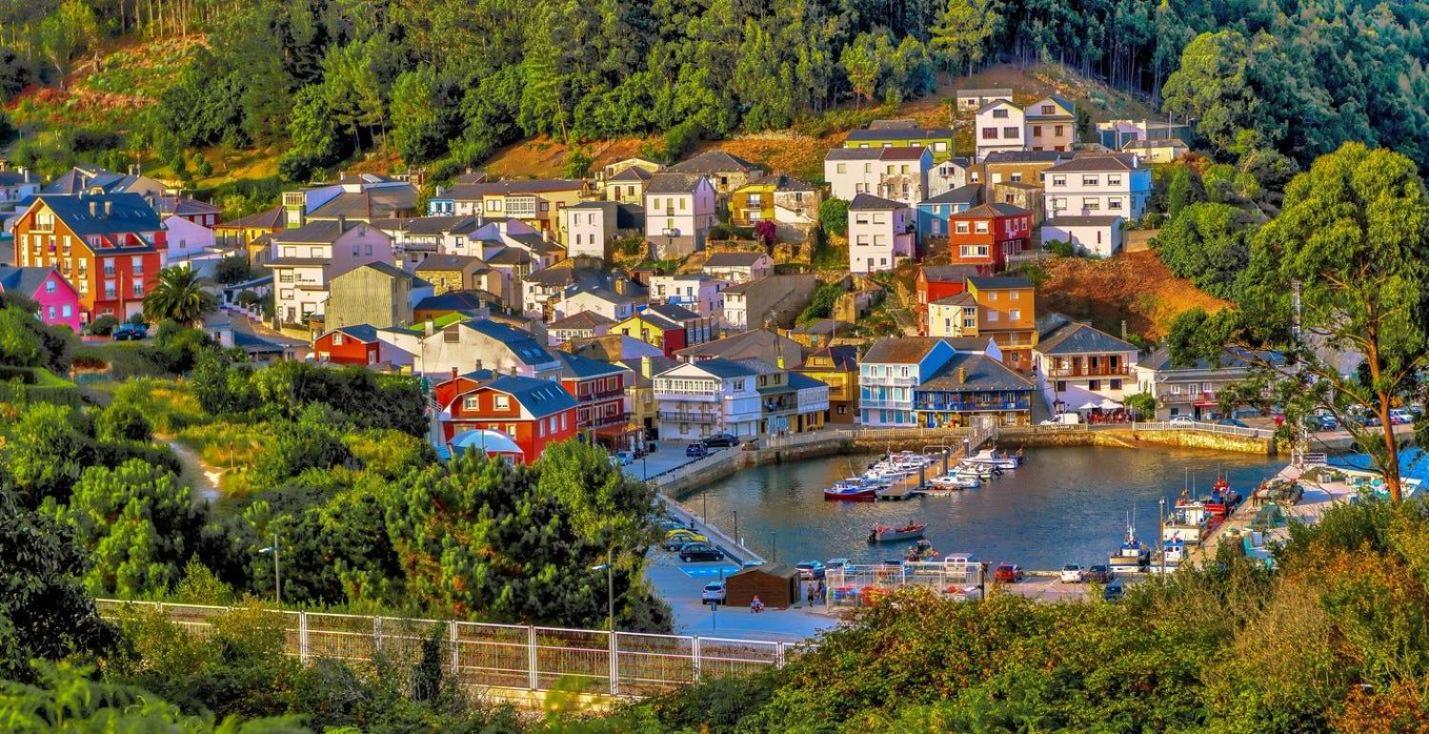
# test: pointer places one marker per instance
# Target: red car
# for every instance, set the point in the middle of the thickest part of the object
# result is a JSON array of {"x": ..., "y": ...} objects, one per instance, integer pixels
[{"x": 1008, "y": 573}]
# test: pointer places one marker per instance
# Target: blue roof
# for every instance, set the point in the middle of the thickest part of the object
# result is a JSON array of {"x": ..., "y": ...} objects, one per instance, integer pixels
[
  {"x": 450, "y": 301},
  {"x": 1077, "y": 338},
  {"x": 25, "y": 281},
  {"x": 521, "y": 343},
  {"x": 540, "y": 397},
  {"x": 127, "y": 213},
  {"x": 366, "y": 333},
  {"x": 801, "y": 381},
  {"x": 726, "y": 368},
  {"x": 580, "y": 367}
]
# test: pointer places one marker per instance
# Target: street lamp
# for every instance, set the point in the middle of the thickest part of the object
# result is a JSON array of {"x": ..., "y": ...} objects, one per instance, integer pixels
[
  {"x": 277, "y": 579},
  {"x": 736, "y": 527},
  {"x": 609, "y": 568}
]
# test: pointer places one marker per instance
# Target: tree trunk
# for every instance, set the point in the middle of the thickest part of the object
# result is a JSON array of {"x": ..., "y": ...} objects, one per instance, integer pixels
[{"x": 1391, "y": 445}]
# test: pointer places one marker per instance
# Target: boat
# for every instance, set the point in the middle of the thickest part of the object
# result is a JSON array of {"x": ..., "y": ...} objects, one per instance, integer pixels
[
  {"x": 1173, "y": 551},
  {"x": 979, "y": 471},
  {"x": 999, "y": 459},
  {"x": 885, "y": 534},
  {"x": 921, "y": 551},
  {"x": 851, "y": 493},
  {"x": 955, "y": 481},
  {"x": 1133, "y": 555}
]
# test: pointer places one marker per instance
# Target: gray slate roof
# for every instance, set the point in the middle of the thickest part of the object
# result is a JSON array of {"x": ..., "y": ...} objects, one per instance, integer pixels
[
  {"x": 980, "y": 373},
  {"x": 901, "y": 349},
  {"x": 968, "y": 194},
  {"x": 733, "y": 259},
  {"x": 1078, "y": 338},
  {"x": 127, "y": 213},
  {"x": 521, "y": 343},
  {"x": 1082, "y": 221},
  {"x": 714, "y": 161},
  {"x": 869, "y": 202},
  {"x": 673, "y": 183}
]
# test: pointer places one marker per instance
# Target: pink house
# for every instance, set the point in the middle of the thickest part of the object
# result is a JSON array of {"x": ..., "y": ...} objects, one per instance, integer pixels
[{"x": 58, "y": 300}]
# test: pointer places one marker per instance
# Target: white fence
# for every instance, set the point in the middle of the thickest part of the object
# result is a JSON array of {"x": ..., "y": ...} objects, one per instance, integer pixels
[
  {"x": 859, "y": 585},
  {"x": 1203, "y": 428},
  {"x": 483, "y": 655}
]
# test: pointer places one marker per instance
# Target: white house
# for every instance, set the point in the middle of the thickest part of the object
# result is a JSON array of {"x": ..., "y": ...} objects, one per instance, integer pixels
[
  {"x": 1098, "y": 185},
  {"x": 589, "y": 227},
  {"x": 712, "y": 396},
  {"x": 302, "y": 260},
  {"x": 880, "y": 233},
  {"x": 1051, "y": 124},
  {"x": 609, "y": 303},
  {"x": 189, "y": 244},
  {"x": 888, "y": 373},
  {"x": 679, "y": 212},
  {"x": 1001, "y": 125},
  {"x": 1080, "y": 368},
  {"x": 893, "y": 173},
  {"x": 1100, "y": 236},
  {"x": 478, "y": 344},
  {"x": 698, "y": 292},
  {"x": 948, "y": 175},
  {"x": 739, "y": 267}
]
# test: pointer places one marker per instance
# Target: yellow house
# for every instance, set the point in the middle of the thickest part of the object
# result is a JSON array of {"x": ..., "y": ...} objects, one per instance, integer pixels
[
  {"x": 249, "y": 233},
  {"x": 535, "y": 202},
  {"x": 761, "y": 199},
  {"x": 954, "y": 316},
  {"x": 1007, "y": 312},
  {"x": 836, "y": 367}
]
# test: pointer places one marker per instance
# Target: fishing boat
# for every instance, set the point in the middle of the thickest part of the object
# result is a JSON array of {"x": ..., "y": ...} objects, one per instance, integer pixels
[
  {"x": 851, "y": 493},
  {"x": 1133, "y": 555},
  {"x": 995, "y": 458},
  {"x": 921, "y": 551},
  {"x": 885, "y": 534},
  {"x": 1173, "y": 551},
  {"x": 955, "y": 481}
]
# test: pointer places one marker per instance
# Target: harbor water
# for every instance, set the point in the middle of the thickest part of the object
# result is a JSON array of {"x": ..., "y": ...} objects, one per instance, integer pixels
[{"x": 1064, "y": 505}]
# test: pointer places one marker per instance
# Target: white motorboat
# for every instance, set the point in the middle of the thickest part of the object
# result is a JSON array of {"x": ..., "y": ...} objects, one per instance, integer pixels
[
  {"x": 955, "y": 481},
  {"x": 999, "y": 459}
]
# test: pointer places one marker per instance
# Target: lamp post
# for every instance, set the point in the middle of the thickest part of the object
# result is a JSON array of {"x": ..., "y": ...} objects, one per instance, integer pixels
[
  {"x": 736, "y": 527},
  {"x": 609, "y": 568},
  {"x": 277, "y": 579}
]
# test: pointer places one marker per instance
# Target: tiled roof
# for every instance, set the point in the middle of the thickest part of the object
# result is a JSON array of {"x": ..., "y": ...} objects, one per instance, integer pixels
[
  {"x": 371, "y": 203},
  {"x": 1082, "y": 221},
  {"x": 266, "y": 219},
  {"x": 801, "y": 381},
  {"x": 733, "y": 259},
  {"x": 1093, "y": 164},
  {"x": 995, "y": 103},
  {"x": 1000, "y": 282},
  {"x": 581, "y": 320},
  {"x": 539, "y": 397},
  {"x": 521, "y": 343},
  {"x": 25, "y": 281},
  {"x": 1231, "y": 358},
  {"x": 900, "y": 349},
  {"x": 756, "y": 343},
  {"x": 573, "y": 365},
  {"x": 993, "y": 209},
  {"x": 948, "y": 273},
  {"x": 182, "y": 206},
  {"x": 672, "y": 311},
  {"x": 843, "y": 356},
  {"x": 957, "y": 299},
  {"x": 1024, "y": 156},
  {"x": 512, "y": 186},
  {"x": 633, "y": 173},
  {"x": 783, "y": 182},
  {"x": 867, "y": 202},
  {"x": 127, "y": 213},
  {"x": 450, "y": 301},
  {"x": 673, "y": 183},
  {"x": 910, "y": 153},
  {"x": 445, "y": 261},
  {"x": 509, "y": 256},
  {"x": 323, "y": 232},
  {"x": 980, "y": 373},
  {"x": 900, "y": 133},
  {"x": 968, "y": 194},
  {"x": 1081, "y": 339},
  {"x": 727, "y": 368},
  {"x": 713, "y": 161}
]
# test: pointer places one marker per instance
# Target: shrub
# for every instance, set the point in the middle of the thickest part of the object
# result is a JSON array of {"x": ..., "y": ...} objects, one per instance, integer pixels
[{"x": 102, "y": 326}]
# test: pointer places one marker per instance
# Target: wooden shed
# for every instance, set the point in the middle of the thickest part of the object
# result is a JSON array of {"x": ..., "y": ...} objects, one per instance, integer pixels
[{"x": 776, "y": 586}]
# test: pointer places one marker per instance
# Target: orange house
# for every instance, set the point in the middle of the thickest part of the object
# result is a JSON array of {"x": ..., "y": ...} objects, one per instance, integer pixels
[
  {"x": 109, "y": 246},
  {"x": 535, "y": 413}
]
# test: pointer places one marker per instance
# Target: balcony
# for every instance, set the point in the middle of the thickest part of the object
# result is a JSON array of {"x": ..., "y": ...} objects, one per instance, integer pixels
[
  {"x": 884, "y": 403},
  {"x": 521, "y": 207},
  {"x": 972, "y": 406},
  {"x": 618, "y": 419},
  {"x": 682, "y": 417},
  {"x": 909, "y": 381},
  {"x": 779, "y": 406},
  {"x": 1084, "y": 371}
]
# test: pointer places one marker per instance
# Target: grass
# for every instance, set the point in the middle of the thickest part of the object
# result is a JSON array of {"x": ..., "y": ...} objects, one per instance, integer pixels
[
  {"x": 124, "y": 360},
  {"x": 169, "y": 405}
]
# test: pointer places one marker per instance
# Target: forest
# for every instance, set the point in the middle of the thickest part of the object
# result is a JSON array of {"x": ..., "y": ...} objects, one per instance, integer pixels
[{"x": 444, "y": 83}]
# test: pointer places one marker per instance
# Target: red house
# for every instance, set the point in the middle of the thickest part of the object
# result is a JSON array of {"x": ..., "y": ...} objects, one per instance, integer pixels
[
  {"x": 535, "y": 413},
  {"x": 599, "y": 390},
  {"x": 986, "y": 235},
  {"x": 936, "y": 282},
  {"x": 109, "y": 246},
  {"x": 357, "y": 344},
  {"x": 669, "y": 326}
]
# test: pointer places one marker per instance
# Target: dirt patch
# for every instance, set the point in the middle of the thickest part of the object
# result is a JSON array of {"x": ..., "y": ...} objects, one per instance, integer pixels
[{"x": 1135, "y": 287}]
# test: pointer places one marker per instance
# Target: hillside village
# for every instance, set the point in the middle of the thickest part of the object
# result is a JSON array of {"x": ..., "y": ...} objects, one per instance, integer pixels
[{"x": 897, "y": 291}]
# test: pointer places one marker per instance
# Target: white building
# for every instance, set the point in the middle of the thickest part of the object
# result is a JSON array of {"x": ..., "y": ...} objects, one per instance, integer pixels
[
  {"x": 951, "y": 174},
  {"x": 900, "y": 174},
  {"x": 478, "y": 344},
  {"x": 1080, "y": 368},
  {"x": 1099, "y": 236},
  {"x": 588, "y": 228},
  {"x": 609, "y": 303},
  {"x": 303, "y": 259},
  {"x": 880, "y": 233},
  {"x": 698, "y": 399},
  {"x": 679, "y": 212},
  {"x": 189, "y": 245},
  {"x": 889, "y": 372},
  {"x": 739, "y": 267},
  {"x": 1098, "y": 185},
  {"x": 698, "y": 292},
  {"x": 1001, "y": 125}
]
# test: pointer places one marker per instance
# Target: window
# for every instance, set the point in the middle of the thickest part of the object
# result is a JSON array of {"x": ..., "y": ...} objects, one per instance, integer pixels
[
  {"x": 993, "y": 316},
  {"x": 1114, "y": 385},
  {"x": 989, "y": 133},
  {"x": 1061, "y": 385},
  {"x": 1036, "y": 131},
  {"x": 1016, "y": 177},
  {"x": 962, "y": 227},
  {"x": 502, "y": 402},
  {"x": 451, "y": 334},
  {"x": 1000, "y": 114},
  {"x": 67, "y": 310},
  {"x": 974, "y": 250},
  {"x": 1059, "y": 180},
  {"x": 739, "y": 384},
  {"x": 981, "y": 227},
  {"x": 1091, "y": 204},
  {"x": 1094, "y": 385},
  {"x": 337, "y": 340},
  {"x": 52, "y": 312},
  {"x": 50, "y": 286},
  {"x": 1113, "y": 180},
  {"x": 1057, "y": 130},
  {"x": 1015, "y": 314},
  {"x": 471, "y": 402},
  {"x": 1011, "y": 133},
  {"x": 1113, "y": 204},
  {"x": 1048, "y": 109},
  {"x": 1090, "y": 180}
]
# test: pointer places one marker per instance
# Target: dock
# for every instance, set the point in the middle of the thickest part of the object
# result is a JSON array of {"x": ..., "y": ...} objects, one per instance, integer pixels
[{"x": 916, "y": 486}]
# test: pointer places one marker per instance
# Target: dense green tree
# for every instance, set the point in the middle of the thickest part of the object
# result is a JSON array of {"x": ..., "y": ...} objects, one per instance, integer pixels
[
  {"x": 66, "y": 33},
  {"x": 44, "y": 452},
  {"x": 963, "y": 32},
  {"x": 139, "y": 524},
  {"x": 179, "y": 294},
  {"x": 833, "y": 216},
  {"x": 1209, "y": 244},
  {"x": 233, "y": 269}
]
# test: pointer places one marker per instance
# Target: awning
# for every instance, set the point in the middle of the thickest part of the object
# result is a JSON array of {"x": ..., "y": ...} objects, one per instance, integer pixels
[{"x": 487, "y": 440}]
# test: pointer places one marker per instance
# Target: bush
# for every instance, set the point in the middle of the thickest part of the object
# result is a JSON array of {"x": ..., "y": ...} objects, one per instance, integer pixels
[
  {"x": 102, "y": 326},
  {"x": 833, "y": 216},
  {"x": 1061, "y": 248}
]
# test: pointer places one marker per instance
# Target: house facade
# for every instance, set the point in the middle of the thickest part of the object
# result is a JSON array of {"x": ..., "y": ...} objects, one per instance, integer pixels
[
  {"x": 599, "y": 388},
  {"x": 699, "y": 399},
  {"x": 774, "y": 299},
  {"x": 1100, "y": 185},
  {"x": 447, "y": 273},
  {"x": 1000, "y": 125},
  {"x": 739, "y": 267},
  {"x": 57, "y": 301},
  {"x": 110, "y": 247},
  {"x": 950, "y": 174},
  {"x": 1007, "y": 314},
  {"x": 1077, "y": 365},
  {"x": 679, "y": 212},
  {"x": 536, "y": 203},
  {"x": 534, "y": 413},
  {"x": 972, "y": 99},
  {"x": 934, "y": 213},
  {"x": 373, "y": 293},
  {"x": 303, "y": 260},
  {"x": 589, "y": 228},
  {"x": 986, "y": 235},
  {"x": 482, "y": 344},
  {"x": 903, "y": 134},
  {"x": 837, "y": 368},
  {"x": 666, "y": 326},
  {"x": 701, "y": 293},
  {"x": 1096, "y": 236},
  {"x": 936, "y": 282},
  {"x": 16, "y": 186},
  {"x": 890, "y": 371},
  {"x": 1051, "y": 124},
  {"x": 581, "y": 325},
  {"x": 726, "y": 172},
  {"x": 900, "y": 174},
  {"x": 973, "y": 391},
  {"x": 359, "y": 344},
  {"x": 881, "y": 233},
  {"x": 1193, "y": 389}
]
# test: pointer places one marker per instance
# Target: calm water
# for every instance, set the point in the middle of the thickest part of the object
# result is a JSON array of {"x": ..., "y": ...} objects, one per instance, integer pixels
[{"x": 1064, "y": 505}]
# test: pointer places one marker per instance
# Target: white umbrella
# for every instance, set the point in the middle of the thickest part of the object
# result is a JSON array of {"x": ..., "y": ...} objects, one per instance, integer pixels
[
  {"x": 1109, "y": 404},
  {"x": 1091, "y": 405},
  {"x": 483, "y": 439}
]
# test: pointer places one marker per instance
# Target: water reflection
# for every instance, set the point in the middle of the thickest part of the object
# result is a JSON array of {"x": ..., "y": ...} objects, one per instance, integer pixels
[{"x": 1065, "y": 505}]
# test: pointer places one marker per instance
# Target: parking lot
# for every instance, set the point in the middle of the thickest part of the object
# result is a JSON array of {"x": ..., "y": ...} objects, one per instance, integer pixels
[
  {"x": 668, "y": 456},
  {"x": 680, "y": 584}
]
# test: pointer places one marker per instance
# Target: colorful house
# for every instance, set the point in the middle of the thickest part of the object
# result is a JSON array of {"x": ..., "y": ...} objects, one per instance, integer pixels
[
  {"x": 57, "y": 300},
  {"x": 987, "y": 235},
  {"x": 903, "y": 134},
  {"x": 359, "y": 344},
  {"x": 1007, "y": 313},
  {"x": 535, "y": 413},
  {"x": 602, "y": 415},
  {"x": 109, "y": 246},
  {"x": 933, "y": 213},
  {"x": 251, "y": 234},
  {"x": 973, "y": 391},
  {"x": 667, "y": 326},
  {"x": 889, "y": 372}
]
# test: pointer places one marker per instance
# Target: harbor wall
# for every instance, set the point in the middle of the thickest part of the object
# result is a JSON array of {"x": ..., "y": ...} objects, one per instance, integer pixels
[{"x": 1127, "y": 438}]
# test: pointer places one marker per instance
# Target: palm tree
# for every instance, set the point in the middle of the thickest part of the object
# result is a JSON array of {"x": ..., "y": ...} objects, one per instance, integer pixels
[{"x": 178, "y": 295}]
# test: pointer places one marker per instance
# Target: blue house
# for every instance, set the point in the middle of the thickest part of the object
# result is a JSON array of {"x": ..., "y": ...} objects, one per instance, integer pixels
[
  {"x": 890, "y": 371},
  {"x": 973, "y": 390},
  {"x": 933, "y": 213}
]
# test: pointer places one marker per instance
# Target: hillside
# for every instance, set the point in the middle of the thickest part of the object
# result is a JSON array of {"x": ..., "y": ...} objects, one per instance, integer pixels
[
  {"x": 1134, "y": 286},
  {"x": 800, "y": 152}
]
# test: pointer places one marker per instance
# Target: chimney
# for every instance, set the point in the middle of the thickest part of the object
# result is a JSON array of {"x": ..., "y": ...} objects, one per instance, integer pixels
[
  {"x": 962, "y": 376},
  {"x": 453, "y": 372},
  {"x": 342, "y": 223},
  {"x": 429, "y": 327},
  {"x": 645, "y": 366}
]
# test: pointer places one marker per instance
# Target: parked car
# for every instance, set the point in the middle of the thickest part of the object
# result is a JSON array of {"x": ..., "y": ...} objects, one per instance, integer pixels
[
  {"x": 1321, "y": 423},
  {"x": 1099, "y": 574},
  {"x": 625, "y": 458},
  {"x": 721, "y": 439},
  {"x": 696, "y": 451},
  {"x": 810, "y": 570},
  {"x": 1113, "y": 590},
  {"x": 1182, "y": 418},
  {"x": 677, "y": 538},
  {"x": 700, "y": 552},
  {"x": 129, "y": 331},
  {"x": 1063, "y": 419},
  {"x": 1008, "y": 573},
  {"x": 841, "y": 563},
  {"x": 1231, "y": 422},
  {"x": 1071, "y": 574},
  {"x": 1401, "y": 416},
  {"x": 713, "y": 593}
]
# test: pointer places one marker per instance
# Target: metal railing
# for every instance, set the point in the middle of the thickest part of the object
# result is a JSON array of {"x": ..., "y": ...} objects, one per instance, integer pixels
[
  {"x": 482, "y": 655},
  {"x": 1203, "y": 428}
]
